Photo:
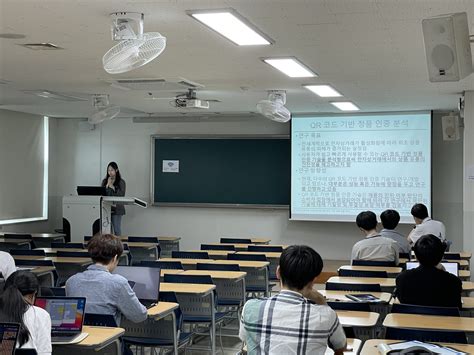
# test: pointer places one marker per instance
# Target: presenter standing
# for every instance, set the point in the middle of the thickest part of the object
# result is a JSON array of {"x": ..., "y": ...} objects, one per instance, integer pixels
[{"x": 115, "y": 186}]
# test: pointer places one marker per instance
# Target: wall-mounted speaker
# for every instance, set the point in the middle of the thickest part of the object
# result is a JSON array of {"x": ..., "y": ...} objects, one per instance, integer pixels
[
  {"x": 447, "y": 46},
  {"x": 450, "y": 126}
]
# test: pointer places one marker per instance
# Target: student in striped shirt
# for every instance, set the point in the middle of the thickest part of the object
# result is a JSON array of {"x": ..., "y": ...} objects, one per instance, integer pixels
[{"x": 297, "y": 320}]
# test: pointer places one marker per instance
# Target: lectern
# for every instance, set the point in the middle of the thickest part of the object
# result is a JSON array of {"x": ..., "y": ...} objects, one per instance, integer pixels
[{"x": 88, "y": 215}]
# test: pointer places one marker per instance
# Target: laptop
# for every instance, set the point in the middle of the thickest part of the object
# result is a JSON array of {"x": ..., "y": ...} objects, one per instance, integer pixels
[
  {"x": 8, "y": 336},
  {"x": 67, "y": 318},
  {"x": 452, "y": 268},
  {"x": 91, "y": 190},
  {"x": 146, "y": 282}
]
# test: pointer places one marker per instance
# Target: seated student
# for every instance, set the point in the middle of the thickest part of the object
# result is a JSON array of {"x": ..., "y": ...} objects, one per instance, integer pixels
[
  {"x": 390, "y": 219},
  {"x": 425, "y": 225},
  {"x": 297, "y": 319},
  {"x": 16, "y": 305},
  {"x": 428, "y": 285},
  {"x": 106, "y": 293},
  {"x": 374, "y": 247},
  {"x": 7, "y": 265}
]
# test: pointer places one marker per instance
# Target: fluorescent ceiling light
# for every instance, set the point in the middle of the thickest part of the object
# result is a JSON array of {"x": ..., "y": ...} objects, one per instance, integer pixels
[
  {"x": 291, "y": 67},
  {"x": 323, "y": 90},
  {"x": 345, "y": 106},
  {"x": 233, "y": 26}
]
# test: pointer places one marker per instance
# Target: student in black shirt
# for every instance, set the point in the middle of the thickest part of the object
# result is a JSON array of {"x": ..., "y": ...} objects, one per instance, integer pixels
[{"x": 428, "y": 285}]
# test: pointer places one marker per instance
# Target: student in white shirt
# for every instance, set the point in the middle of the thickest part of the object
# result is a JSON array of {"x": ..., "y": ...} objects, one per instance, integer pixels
[
  {"x": 17, "y": 305},
  {"x": 425, "y": 225},
  {"x": 7, "y": 264}
]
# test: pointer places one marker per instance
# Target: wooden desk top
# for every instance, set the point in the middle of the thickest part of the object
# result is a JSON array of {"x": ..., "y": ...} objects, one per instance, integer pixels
[
  {"x": 244, "y": 263},
  {"x": 67, "y": 260},
  {"x": 141, "y": 245},
  {"x": 269, "y": 255},
  {"x": 188, "y": 261},
  {"x": 357, "y": 319},
  {"x": 390, "y": 270},
  {"x": 99, "y": 336},
  {"x": 260, "y": 240},
  {"x": 384, "y": 282},
  {"x": 341, "y": 295},
  {"x": 55, "y": 250},
  {"x": 467, "y": 302},
  {"x": 162, "y": 309},
  {"x": 198, "y": 289},
  {"x": 369, "y": 347},
  {"x": 212, "y": 253},
  {"x": 39, "y": 235},
  {"x": 15, "y": 241},
  {"x": 164, "y": 272},
  {"x": 215, "y": 274},
  {"x": 169, "y": 239},
  {"x": 416, "y": 321},
  {"x": 27, "y": 257},
  {"x": 42, "y": 269},
  {"x": 468, "y": 286},
  {"x": 463, "y": 254}
]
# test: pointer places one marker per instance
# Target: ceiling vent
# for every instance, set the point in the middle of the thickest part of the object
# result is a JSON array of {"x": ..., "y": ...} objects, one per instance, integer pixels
[
  {"x": 155, "y": 84},
  {"x": 41, "y": 46},
  {"x": 46, "y": 94}
]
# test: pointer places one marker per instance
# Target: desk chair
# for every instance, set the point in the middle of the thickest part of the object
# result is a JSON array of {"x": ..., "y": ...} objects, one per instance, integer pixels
[
  {"x": 217, "y": 247},
  {"x": 28, "y": 252},
  {"x": 166, "y": 265},
  {"x": 218, "y": 267},
  {"x": 404, "y": 256},
  {"x": 87, "y": 238},
  {"x": 372, "y": 263},
  {"x": 17, "y": 236},
  {"x": 349, "y": 306},
  {"x": 263, "y": 248},
  {"x": 53, "y": 291},
  {"x": 443, "y": 336},
  {"x": 336, "y": 286},
  {"x": 362, "y": 273},
  {"x": 13, "y": 237},
  {"x": 236, "y": 241},
  {"x": 415, "y": 309},
  {"x": 248, "y": 257},
  {"x": 73, "y": 254},
  {"x": 56, "y": 245},
  {"x": 189, "y": 254},
  {"x": 140, "y": 254},
  {"x": 452, "y": 256}
]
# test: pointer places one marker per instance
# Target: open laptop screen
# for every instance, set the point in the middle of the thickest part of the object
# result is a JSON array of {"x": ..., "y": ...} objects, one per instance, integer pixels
[
  {"x": 146, "y": 279},
  {"x": 8, "y": 336},
  {"x": 67, "y": 313},
  {"x": 452, "y": 268}
]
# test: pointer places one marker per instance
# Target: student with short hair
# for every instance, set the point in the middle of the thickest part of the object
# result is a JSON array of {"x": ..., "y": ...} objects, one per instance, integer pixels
[
  {"x": 390, "y": 219},
  {"x": 297, "y": 320},
  {"x": 106, "y": 293},
  {"x": 7, "y": 265},
  {"x": 428, "y": 285},
  {"x": 374, "y": 247},
  {"x": 17, "y": 306},
  {"x": 425, "y": 225}
]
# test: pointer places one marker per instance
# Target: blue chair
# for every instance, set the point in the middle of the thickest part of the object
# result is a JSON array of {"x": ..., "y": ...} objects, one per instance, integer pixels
[
  {"x": 143, "y": 239},
  {"x": 452, "y": 256},
  {"x": 87, "y": 238},
  {"x": 349, "y": 306},
  {"x": 218, "y": 267},
  {"x": 166, "y": 265},
  {"x": 67, "y": 245},
  {"x": 404, "y": 256},
  {"x": 373, "y": 263},
  {"x": 72, "y": 254},
  {"x": 17, "y": 236},
  {"x": 443, "y": 336},
  {"x": 362, "y": 273},
  {"x": 336, "y": 286},
  {"x": 217, "y": 247},
  {"x": 428, "y": 310},
  {"x": 99, "y": 320},
  {"x": 53, "y": 291},
  {"x": 28, "y": 252},
  {"x": 265, "y": 249},
  {"x": 236, "y": 241},
  {"x": 248, "y": 257},
  {"x": 189, "y": 255}
]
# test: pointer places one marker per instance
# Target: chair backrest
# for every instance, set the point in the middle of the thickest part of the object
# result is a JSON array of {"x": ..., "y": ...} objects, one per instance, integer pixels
[
  {"x": 17, "y": 236},
  {"x": 167, "y": 265},
  {"x": 168, "y": 296},
  {"x": 189, "y": 254},
  {"x": 404, "y": 256},
  {"x": 72, "y": 254},
  {"x": 336, "y": 286},
  {"x": 55, "y": 245},
  {"x": 217, "y": 247},
  {"x": 452, "y": 256},
  {"x": 37, "y": 252},
  {"x": 53, "y": 291},
  {"x": 188, "y": 279},
  {"x": 99, "y": 320},
  {"x": 39, "y": 262},
  {"x": 143, "y": 239},
  {"x": 218, "y": 267},
  {"x": 350, "y": 306},
  {"x": 426, "y": 335},
  {"x": 249, "y": 257},
  {"x": 415, "y": 309},
  {"x": 362, "y": 273},
  {"x": 87, "y": 238},
  {"x": 373, "y": 263},
  {"x": 267, "y": 249},
  {"x": 236, "y": 240}
]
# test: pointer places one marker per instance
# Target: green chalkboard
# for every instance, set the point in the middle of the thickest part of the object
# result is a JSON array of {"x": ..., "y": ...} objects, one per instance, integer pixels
[{"x": 222, "y": 171}]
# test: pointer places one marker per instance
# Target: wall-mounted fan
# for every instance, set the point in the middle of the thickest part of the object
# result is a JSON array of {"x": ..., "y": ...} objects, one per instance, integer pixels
[
  {"x": 135, "y": 48},
  {"x": 274, "y": 108},
  {"x": 104, "y": 111}
]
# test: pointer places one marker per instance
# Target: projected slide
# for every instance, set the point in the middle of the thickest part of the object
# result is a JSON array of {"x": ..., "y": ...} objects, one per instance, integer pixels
[{"x": 342, "y": 165}]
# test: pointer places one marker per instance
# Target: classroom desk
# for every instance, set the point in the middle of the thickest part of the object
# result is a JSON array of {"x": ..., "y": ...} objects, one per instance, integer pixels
[
  {"x": 168, "y": 245},
  {"x": 198, "y": 289},
  {"x": 162, "y": 310},
  {"x": 7, "y": 244},
  {"x": 216, "y": 254},
  {"x": 273, "y": 258},
  {"x": 416, "y": 321},
  {"x": 465, "y": 255},
  {"x": 463, "y": 264},
  {"x": 340, "y": 296},
  {"x": 215, "y": 274},
  {"x": 98, "y": 339},
  {"x": 357, "y": 319},
  {"x": 353, "y": 344},
  {"x": 189, "y": 263},
  {"x": 54, "y": 251},
  {"x": 260, "y": 240},
  {"x": 43, "y": 239},
  {"x": 42, "y": 272},
  {"x": 164, "y": 272},
  {"x": 143, "y": 251},
  {"x": 238, "y": 246},
  {"x": 370, "y": 346},
  {"x": 389, "y": 270}
]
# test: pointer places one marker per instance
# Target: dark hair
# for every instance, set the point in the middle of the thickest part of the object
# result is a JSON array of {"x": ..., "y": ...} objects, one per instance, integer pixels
[
  {"x": 390, "y": 219},
  {"x": 118, "y": 177},
  {"x": 299, "y": 265},
  {"x": 366, "y": 220},
  {"x": 419, "y": 210},
  {"x": 429, "y": 250},
  {"x": 12, "y": 304},
  {"x": 103, "y": 248}
]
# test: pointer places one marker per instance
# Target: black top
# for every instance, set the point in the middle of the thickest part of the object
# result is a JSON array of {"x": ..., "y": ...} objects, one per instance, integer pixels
[{"x": 429, "y": 286}]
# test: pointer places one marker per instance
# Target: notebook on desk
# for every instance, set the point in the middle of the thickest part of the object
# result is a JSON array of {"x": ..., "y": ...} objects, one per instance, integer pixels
[
  {"x": 67, "y": 318},
  {"x": 8, "y": 336}
]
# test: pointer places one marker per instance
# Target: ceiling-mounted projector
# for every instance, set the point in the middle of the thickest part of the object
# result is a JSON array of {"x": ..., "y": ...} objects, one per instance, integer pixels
[{"x": 274, "y": 108}]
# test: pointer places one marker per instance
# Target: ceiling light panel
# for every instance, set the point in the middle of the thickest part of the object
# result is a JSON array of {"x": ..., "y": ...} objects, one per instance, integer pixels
[
  {"x": 291, "y": 67},
  {"x": 345, "y": 106},
  {"x": 323, "y": 90},
  {"x": 230, "y": 24}
]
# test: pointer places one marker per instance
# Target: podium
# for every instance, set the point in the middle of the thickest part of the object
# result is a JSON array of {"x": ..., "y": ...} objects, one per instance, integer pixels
[{"x": 88, "y": 215}]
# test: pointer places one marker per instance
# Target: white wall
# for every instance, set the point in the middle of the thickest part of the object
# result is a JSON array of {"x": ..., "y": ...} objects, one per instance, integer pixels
[{"x": 81, "y": 159}]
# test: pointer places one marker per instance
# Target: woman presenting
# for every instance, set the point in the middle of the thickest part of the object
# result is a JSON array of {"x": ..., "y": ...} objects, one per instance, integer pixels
[{"x": 115, "y": 186}]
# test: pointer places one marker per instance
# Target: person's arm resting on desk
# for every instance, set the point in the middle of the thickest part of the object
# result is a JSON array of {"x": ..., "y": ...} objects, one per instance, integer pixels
[
  {"x": 129, "y": 304},
  {"x": 337, "y": 339}
]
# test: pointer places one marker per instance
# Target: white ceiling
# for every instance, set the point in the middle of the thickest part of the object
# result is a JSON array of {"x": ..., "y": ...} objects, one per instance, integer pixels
[{"x": 371, "y": 51}]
